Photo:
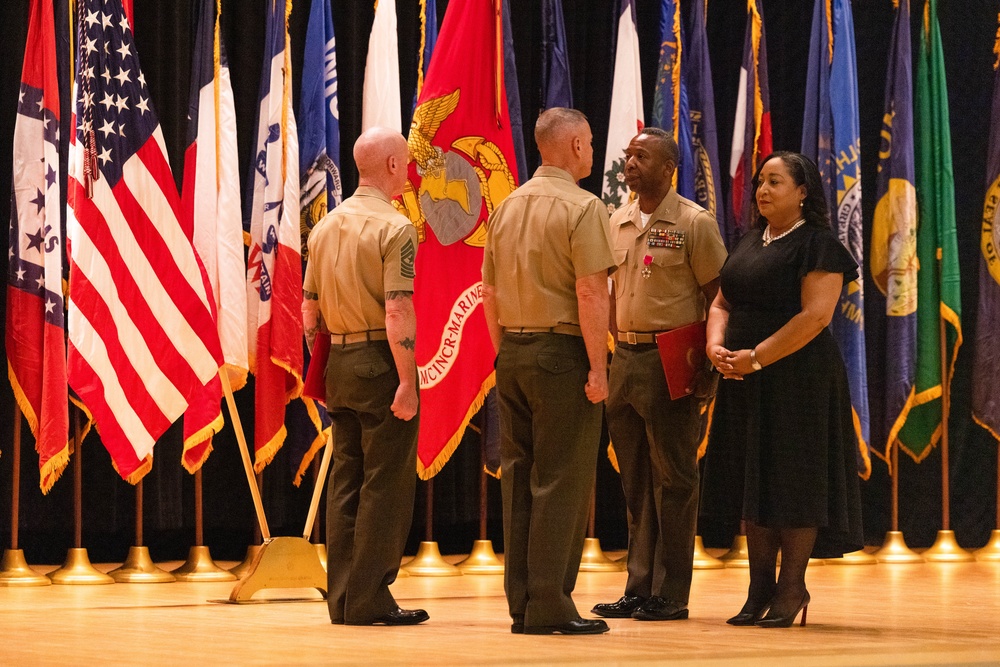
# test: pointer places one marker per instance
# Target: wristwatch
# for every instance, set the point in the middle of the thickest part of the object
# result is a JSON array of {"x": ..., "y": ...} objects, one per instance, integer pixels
[{"x": 754, "y": 364}]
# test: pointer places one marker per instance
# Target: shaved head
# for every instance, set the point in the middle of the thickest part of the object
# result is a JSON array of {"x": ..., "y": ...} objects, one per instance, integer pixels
[
  {"x": 381, "y": 155},
  {"x": 558, "y": 125},
  {"x": 564, "y": 140}
]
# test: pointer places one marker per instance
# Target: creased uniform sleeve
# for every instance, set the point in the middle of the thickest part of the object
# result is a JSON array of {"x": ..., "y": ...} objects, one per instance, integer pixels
[
  {"x": 708, "y": 252},
  {"x": 590, "y": 242}
]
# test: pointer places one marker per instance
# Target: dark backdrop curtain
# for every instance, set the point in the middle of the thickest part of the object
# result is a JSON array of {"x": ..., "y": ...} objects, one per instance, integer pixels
[{"x": 163, "y": 36}]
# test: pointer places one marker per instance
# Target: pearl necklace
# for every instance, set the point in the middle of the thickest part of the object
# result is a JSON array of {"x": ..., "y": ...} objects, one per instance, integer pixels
[{"x": 768, "y": 239}]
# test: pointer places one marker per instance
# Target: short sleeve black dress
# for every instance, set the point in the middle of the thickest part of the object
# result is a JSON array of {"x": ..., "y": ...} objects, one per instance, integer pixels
[{"x": 782, "y": 445}]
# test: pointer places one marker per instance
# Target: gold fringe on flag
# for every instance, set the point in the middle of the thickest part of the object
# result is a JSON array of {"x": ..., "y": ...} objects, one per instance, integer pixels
[
  {"x": 426, "y": 472},
  {"x": 322, "y": 435}
]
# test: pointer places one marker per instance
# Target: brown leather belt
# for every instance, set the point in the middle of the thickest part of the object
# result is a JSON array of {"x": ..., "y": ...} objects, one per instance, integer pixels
[
  {"x": 360, "y": 337},
  {"x": 570, "y": 329},
  {"x": 634, "y": 338}
]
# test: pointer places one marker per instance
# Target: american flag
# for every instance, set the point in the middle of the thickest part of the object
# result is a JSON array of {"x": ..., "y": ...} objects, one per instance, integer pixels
[
  {"x": 142, "y": 336},
  {"x": 35, "y": 329}
]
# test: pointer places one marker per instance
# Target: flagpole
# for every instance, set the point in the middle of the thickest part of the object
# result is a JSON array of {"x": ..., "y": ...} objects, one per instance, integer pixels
[
  {"x": 14, "y": 569},
  {"x": 482, "y": 559},
  {"x": 138, "y": 567},
  {"x": 428, "y": 562},
  {"x": 991, "y": 552},
  {"x": 593, "y": 558},
  {"x": 77, "y": 568},
  {"x": 199, "y": 565},
  {"x": 945, "y": 548},
  {"x": 245, "y": 455},
  {"x": 894, "y": 549}
]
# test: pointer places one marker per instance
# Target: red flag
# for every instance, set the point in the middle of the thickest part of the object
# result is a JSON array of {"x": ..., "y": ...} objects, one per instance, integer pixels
[
  {"x": 752, "y": 127},
  {"x": 35, "y": 329},
  {"x": 460, "y": 141},
  {"x": 141, "y": 316},
  {"x": 274, "y": 266},
  {"x": 212, "y": 219}
]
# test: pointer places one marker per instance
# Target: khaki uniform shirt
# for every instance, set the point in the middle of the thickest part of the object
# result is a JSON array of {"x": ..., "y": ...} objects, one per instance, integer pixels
[
  {"x": 686, "y": 251},
  {"x": 358, "y": 252},
  {"x": 542, "y": 238}
]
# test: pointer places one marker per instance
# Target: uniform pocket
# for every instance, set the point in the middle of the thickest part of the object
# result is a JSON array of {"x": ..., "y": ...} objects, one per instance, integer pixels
[
  {"x": 670, "y": 274},
  {"x": 371, "y": 369},
  {"x": 555, "y": 363}
]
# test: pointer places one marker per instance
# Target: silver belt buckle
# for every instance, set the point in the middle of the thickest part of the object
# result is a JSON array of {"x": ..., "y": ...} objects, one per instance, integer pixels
[{"x": 630, "y": 337}]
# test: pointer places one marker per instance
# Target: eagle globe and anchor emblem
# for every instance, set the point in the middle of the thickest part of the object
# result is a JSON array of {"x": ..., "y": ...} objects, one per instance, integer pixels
[{"x": 455, "y": 181}]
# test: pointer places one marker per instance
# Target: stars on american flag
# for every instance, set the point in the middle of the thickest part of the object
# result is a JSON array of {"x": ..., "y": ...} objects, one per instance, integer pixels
[{"x": 113, "y": 107}]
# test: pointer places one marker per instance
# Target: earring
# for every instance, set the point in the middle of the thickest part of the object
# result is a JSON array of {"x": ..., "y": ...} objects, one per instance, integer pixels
[{"x": 802, "y": 202}]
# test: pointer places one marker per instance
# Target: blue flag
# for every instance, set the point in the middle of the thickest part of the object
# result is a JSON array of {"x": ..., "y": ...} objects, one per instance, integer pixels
[
  {"x": 697, "y": 92},
  {"x": 428, "y": 38},
  {"x": 557, "y": 88},
  {"x": 986, "y": 366},
  {"x": 670, "y": 104},
  {"x": 893, "y": 262},
  {"x": 513, "y": 95},
  {"x": 320, "y": 191},
  {"x": 831, "y": 137}
]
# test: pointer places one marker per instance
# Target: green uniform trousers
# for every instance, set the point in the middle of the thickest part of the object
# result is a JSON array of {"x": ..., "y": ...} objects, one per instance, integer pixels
[
  {"x": 656, "y": 444},
  {"x": 372, "y": 482},
  {"x": 550, "y": 434}
]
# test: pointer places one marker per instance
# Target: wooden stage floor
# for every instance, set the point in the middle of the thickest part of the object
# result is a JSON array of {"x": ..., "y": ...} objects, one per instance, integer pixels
[{"x": 927, "y": 614}]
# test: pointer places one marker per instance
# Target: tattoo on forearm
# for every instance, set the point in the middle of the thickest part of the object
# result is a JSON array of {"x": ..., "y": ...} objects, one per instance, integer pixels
[
  {"x": 312, "y": 296},
  {"x": 397, "y": 294},
  {"x": 409, "y": 343}
]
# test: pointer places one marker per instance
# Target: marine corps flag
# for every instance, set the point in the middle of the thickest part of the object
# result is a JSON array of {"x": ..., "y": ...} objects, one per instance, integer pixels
[
  {"x": 463, "y": 166},
  {"x": 986, "y": 367}
]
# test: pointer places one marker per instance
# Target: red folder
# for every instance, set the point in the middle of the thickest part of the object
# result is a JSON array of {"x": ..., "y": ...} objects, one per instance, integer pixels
[
  {"x": 682, "y": 353},
  {"x": 315, "y": 384}
]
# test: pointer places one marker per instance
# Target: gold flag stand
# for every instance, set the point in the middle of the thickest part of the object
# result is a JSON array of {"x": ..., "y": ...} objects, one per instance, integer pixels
[
  {"x": 894, "y": 549},
  {"x": 860, "y": 557},
  {"x": 991, "y": 552},
  {"x": 281, "y": 562},
  {"x": 138, "y": 567},
  {"x": 77, "y": 569},
  {"x": 482, "y": 559},
  {"x": 199, "y": 565},
  {"x": 14, "y": 569},
  {"x": 428, "y": 562},
  {"x": 737, "y": 556},
  {"x": 702, "y": 559},
  {"x": 593, "y": 558},
  {"x": 945, "y": 548}
]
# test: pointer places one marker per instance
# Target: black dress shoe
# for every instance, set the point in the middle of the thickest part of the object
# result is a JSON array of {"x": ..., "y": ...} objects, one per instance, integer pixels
[
  {"x": 774, "y": 620},
  {"x": 621, "y": 609},
  {"x": 517, "y": 627},
  {"x": 658, "y": 609},
  {"x": 403, "y": 617},
  {"x": 579, "y": 626}
]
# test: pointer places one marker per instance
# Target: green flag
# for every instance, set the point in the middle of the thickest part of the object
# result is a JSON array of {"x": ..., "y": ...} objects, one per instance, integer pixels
[{"x": 938, "y": 283}]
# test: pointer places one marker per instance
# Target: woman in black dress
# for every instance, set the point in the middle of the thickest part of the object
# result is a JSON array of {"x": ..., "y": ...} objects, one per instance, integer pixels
[{"x": 782, "y": 443}]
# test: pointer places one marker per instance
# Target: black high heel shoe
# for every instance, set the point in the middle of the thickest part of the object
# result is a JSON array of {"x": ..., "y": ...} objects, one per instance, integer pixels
[
  {"x": 786, "y": 621},
  {"x": 748, "y": 616}
]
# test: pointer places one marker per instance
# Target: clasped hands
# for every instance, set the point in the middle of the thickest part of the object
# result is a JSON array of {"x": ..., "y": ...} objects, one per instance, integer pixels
[{"x": 733, "y": 365}]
